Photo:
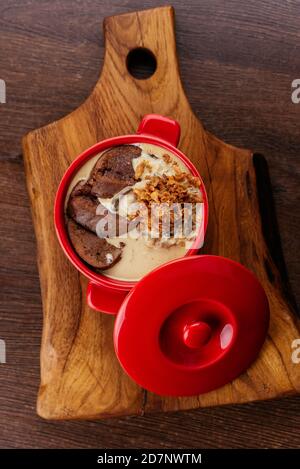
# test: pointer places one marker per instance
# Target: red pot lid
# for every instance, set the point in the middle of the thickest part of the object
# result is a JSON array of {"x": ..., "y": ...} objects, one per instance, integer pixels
[{"x": 191, "y": 325}]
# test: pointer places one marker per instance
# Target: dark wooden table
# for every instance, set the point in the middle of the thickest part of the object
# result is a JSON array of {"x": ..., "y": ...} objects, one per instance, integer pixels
[{"x": 238, "y": 59}]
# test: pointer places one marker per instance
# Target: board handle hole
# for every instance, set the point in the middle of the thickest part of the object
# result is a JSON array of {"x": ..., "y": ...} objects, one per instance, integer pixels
[{"x": 141, "y": 63}]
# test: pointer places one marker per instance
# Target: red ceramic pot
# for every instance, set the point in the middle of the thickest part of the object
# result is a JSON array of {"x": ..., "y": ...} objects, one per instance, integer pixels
[
  {"x": 192, "y": 324},
  {"x": 105, "y": 294}
]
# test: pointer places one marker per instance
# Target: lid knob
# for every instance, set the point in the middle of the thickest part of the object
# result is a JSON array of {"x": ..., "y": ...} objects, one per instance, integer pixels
[{"x": 196, "y": 334}]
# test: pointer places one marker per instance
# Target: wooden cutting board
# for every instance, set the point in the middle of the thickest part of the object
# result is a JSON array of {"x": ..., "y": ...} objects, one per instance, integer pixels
[{"x": 80, "y": 375}]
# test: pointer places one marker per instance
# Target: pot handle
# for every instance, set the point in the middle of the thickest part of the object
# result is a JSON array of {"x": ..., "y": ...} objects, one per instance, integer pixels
[
  {"x": 155, "y": 125},
  {"x": 104, "y": 298}
]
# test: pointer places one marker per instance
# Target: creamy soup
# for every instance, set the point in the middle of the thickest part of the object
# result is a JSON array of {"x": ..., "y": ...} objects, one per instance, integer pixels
[{"x": 140, "y": 252}]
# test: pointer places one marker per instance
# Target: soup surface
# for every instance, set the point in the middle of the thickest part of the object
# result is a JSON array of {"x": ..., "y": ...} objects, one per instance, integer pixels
[{"x": 132, "y": 208}]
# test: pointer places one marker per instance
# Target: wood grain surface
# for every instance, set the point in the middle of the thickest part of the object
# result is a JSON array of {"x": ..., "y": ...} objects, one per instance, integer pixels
[{"x": 21, "y": 306}]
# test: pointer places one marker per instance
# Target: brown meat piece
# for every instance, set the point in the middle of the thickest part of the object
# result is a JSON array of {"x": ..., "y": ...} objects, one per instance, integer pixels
[
  {"x": 81, "y": 188},
  {"x": 82, "y": 207},
  {"x": 113, "y": 171},
  {"x": 96, "y": 252}
]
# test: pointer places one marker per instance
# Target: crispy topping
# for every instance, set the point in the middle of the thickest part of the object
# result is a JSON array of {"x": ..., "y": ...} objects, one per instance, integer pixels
[
  {"x": 179, "y": 188},
  {"x": 165, "y": 197},
  {"x": 141, "y": 167}
]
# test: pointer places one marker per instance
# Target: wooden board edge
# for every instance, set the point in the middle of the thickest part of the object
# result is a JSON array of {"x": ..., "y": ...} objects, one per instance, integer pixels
[{"x": 270, "y": 227}]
